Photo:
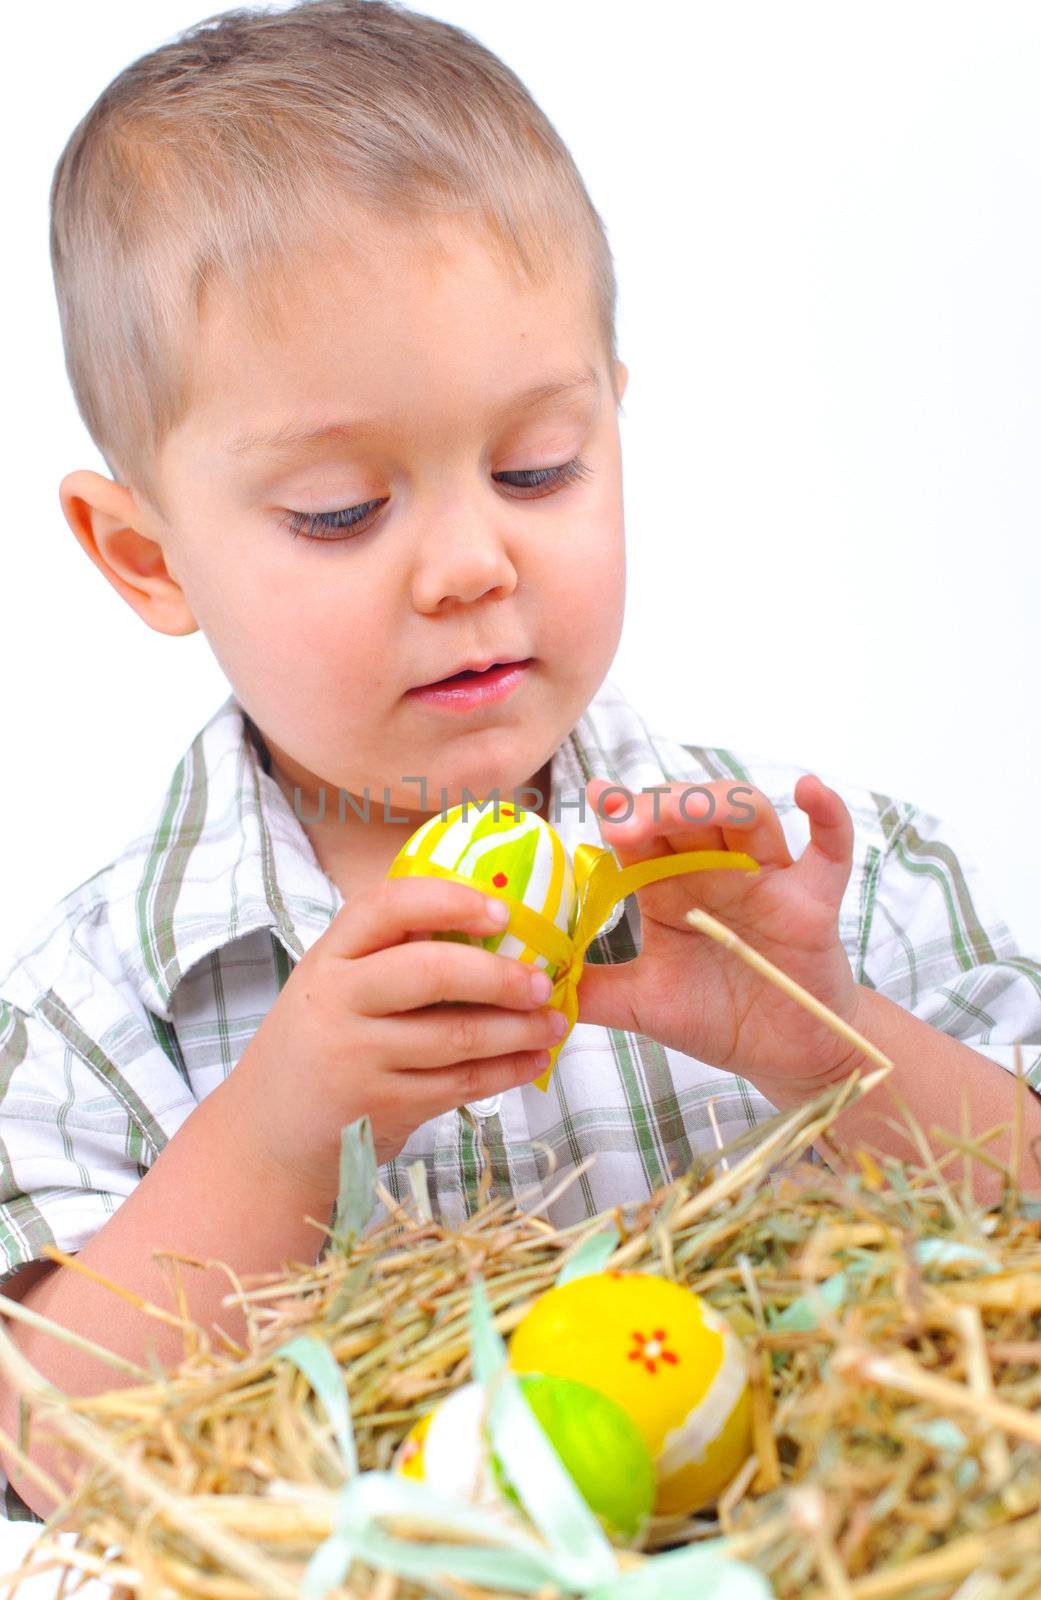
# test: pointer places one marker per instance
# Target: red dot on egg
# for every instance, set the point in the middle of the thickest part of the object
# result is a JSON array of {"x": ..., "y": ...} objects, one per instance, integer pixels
[{"x": 500, "y": 880}]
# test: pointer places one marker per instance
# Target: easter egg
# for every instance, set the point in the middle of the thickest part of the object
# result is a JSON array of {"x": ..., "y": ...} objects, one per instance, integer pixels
[
  {"x": 506, "y": 851},
  {"x": 447, "y": 1447},
  {"x": 666, "y": 1357},
  {"x": 599, "y": 1445}
]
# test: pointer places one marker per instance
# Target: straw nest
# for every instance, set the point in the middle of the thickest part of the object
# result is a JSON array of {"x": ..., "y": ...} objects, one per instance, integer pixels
[{"x": 893, "y": 1330}]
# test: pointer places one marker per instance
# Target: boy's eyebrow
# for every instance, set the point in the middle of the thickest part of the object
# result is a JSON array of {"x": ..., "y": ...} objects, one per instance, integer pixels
[{"x": 292, "y": 434}]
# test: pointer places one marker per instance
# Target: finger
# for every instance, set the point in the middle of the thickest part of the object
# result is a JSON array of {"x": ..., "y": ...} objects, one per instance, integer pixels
[
  {"x": 721, "y": 815},
  {"x": 432, "y": 971},
  {"x": 825, "y": 864},
  {"x": 441, "y": 1089},
  {"x": 633, "y": 823},
  {"x": 385, "y": 913},
  {"x": 446, "y": 1036}
]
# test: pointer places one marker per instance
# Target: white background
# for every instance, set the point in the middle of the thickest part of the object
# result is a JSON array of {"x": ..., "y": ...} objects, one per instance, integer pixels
[{"x": 826, "y": 220}]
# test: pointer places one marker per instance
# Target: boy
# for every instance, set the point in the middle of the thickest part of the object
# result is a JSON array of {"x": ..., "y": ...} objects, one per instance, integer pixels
[{"x": 339, "y": 314}]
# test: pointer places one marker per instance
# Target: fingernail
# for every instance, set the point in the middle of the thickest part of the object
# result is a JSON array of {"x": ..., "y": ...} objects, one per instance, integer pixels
[
  {"x": 498, "y": 911},
  {"x": 558, "y": 1024},
  {"x": 541, "y": 986},
  {"x": 619, "y": 814}
]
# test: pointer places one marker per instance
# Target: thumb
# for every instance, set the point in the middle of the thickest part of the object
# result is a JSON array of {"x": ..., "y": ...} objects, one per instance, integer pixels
[{"x": 605, "y": 996}]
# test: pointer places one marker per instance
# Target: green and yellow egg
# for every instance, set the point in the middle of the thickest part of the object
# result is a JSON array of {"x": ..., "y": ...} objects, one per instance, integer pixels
[
  {"x": 666, "y": 1357},
  {"x": 503, "y": 851},
  {"x": 597, "y": 1442}
]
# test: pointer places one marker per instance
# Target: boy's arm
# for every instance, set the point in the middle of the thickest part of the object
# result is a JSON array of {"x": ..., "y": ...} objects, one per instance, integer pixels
[
  {"x": 209, "y": 1194},
  {"x": 84, "y": 1097},
  {"x": 910, "y": 942},
  {"x": 945, "y": 992},
  {"x": 933, "y": 1075}
]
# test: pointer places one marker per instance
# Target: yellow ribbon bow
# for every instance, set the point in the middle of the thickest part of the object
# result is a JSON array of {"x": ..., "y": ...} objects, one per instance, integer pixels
[{"x": 599, "y": 883}]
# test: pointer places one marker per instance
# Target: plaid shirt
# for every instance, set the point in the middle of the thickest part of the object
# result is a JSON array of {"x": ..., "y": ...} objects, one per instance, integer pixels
[{"x": 139, "y": 991}]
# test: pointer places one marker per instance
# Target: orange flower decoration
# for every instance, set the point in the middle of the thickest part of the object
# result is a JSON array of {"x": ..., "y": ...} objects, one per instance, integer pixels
[{"x": 650, "y": 1350}]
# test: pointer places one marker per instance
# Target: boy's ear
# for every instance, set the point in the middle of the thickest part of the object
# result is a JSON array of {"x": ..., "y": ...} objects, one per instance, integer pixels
[
  {"x": 621, "y": 379},
  {"x": 115, "y": 533}
]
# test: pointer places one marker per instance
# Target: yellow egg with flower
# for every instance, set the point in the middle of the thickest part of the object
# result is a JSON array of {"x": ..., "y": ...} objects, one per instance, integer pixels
[
  {"x": 666, "y": 1357},
  {"x": 503, "y": 851}
]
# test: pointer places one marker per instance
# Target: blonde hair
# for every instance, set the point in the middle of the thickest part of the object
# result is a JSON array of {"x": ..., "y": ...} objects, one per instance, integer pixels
[{"x": 214, "y": 158}]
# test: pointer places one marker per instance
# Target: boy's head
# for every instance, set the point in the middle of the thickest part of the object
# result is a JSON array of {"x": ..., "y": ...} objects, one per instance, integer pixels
[{"x": 349, "y": 213}]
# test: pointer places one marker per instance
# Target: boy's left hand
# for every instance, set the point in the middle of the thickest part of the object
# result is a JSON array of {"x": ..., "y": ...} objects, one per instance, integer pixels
[{"x": 693, "y": 994}]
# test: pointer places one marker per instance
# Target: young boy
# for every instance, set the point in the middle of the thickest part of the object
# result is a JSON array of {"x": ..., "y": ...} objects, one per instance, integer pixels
[{"x": 338, "y": 312}]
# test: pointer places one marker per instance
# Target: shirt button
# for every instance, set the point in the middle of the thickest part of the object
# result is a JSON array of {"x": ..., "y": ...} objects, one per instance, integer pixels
[{"x": 488, "y": 1107}]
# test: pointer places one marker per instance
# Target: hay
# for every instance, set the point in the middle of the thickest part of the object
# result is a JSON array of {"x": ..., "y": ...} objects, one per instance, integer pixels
[{"x": 893, "y": 1327}]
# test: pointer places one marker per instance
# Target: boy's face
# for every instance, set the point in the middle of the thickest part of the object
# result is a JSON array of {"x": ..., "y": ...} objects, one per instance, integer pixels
[{"x": 425, "y": 361}]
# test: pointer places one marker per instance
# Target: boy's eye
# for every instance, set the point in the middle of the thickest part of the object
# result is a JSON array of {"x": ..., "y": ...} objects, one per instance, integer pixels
[
  {"x": 548, "y": 477},
  {"x": 309, "y": 524}
]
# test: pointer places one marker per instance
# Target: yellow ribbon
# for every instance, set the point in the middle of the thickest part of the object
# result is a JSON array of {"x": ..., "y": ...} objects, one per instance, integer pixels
[{"x": 600, "y": 883}]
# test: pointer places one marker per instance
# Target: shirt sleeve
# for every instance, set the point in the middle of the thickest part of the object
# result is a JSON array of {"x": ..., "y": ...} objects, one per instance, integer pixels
[
  {"x": 936, "y": 944},
  {"x": 68, "y": 1155}
]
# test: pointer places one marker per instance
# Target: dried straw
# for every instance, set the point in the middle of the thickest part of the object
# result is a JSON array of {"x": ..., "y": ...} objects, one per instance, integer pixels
[{"x": 893, "y": 1331}]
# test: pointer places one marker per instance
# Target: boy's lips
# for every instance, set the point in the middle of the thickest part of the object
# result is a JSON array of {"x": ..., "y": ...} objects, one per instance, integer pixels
[
  {"x": 474, "y": 667},
  {"x": 466, "y": 690}
]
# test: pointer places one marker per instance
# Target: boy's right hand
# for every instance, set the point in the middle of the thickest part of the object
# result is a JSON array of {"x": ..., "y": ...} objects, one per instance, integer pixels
[{"x": 358, "y": 1028}]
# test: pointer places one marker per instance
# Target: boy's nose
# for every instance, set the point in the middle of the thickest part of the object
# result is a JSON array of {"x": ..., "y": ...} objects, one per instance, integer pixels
[{"x": 461, "y": 561}]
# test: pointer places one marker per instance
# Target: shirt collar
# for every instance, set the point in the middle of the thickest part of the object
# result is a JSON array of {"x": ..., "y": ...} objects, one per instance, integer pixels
[{"x": 223, "y": 853}]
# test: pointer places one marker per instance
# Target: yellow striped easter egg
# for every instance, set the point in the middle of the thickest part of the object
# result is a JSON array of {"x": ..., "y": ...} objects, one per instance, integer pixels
[{"x": 506, "y": 850}]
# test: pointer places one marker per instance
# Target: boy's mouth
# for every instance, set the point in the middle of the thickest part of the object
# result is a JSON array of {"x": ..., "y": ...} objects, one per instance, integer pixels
[
  {"x": 475, "y": 674},
  {"x": 473, "y": 688}
]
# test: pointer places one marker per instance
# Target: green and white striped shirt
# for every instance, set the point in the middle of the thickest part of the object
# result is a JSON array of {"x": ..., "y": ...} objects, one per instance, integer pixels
[{"x": 136, "y": 995}]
